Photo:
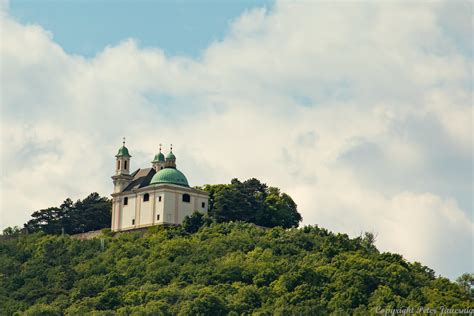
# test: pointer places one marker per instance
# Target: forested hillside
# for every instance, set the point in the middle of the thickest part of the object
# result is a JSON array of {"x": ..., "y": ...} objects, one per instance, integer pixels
[{"x": 222, "y": 269}]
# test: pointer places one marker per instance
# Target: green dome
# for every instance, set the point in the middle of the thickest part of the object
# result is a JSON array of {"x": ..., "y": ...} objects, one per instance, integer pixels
[
  {"x": 159, "y": 157},
  {"x": 171, "y": 156},
  {"x": 123, "y": 151},
  {"x": 170, "y": 175}
]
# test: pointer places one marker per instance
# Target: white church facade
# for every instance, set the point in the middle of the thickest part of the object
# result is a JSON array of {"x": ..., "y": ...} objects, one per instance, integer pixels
[{"x": 152, "y": 196}]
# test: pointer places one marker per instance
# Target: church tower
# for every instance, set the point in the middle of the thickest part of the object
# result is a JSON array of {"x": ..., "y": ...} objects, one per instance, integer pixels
[
  {"x": 170, "y": 159},
  {"x": 159, "y": 162},
  {"x": 122, "y": 176}
]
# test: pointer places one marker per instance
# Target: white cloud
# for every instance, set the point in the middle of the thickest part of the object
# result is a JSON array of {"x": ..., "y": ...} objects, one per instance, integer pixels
[
  {"x": 4, "y": 6},
  {"x": 422, "y": 227},
  {"x": 359, "y": 111}
]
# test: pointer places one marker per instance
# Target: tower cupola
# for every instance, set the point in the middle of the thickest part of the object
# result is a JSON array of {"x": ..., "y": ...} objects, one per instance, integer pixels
[
  {"x": 122, "y": 165},
  {"x": 170, "y": 159},
  {"x": 122, "y": 168},
  {"x": 159, "y": 161}
]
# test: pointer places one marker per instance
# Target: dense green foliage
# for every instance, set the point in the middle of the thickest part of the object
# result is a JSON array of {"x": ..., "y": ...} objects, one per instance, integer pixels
[
  {"x": 207, "y": 266},
  {"x": 252, "y": 201},
  {"x": 466, "y": 281},
  {"x": 91, "y": 213},
  {"x": 223, "y": 269}
]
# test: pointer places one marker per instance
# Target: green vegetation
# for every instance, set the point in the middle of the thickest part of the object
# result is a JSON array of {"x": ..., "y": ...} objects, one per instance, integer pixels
[
  {"x": 218, "y": 263},
  {"x": 222, "y": 269},
  {"x": 91, "y": 213},
  {"x": 253, "y": 202}
]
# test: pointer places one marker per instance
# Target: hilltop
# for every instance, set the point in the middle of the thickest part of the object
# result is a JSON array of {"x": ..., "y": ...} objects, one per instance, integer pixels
[
  {"x": 223, "y": 269},
  {"x": 245, "y": 256}
]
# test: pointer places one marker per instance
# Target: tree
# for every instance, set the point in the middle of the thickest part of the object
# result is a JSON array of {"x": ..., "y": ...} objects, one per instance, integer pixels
[
  {"x": 279, "y": 210},
  {"x": 254, "y": 202},
  {"x": 42, "y": 310},
  {"x": 12, "y": 231},
  {"x": 91, "y": 213},
  {"x": 466, "y": 281},
  {"x": 205, "y": 304},
  {"x": 191, "y": 224}
]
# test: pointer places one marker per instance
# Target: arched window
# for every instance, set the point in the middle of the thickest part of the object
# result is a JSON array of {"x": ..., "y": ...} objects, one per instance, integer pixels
[
  {"x": 186, "y": 198},
  {"x": 125, "y": 165},
  {"x": 146, "y": 197},
  {"x": 125, "y": 201},
  {"x": 203, "y": 204},
  {"x": 118, "y": 164}
]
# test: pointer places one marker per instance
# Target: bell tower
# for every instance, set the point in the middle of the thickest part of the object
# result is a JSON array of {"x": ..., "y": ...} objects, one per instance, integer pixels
[
  {"x": 122, "y": 176},
  {"x": 159, "y": 162},
  {"x": 170, "y": 159}
]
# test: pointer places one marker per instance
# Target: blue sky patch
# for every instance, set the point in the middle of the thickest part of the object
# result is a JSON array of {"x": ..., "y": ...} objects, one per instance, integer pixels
[{"x": 85, "y": 28}]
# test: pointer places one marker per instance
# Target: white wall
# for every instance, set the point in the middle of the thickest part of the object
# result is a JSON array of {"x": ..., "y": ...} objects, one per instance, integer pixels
[
  {"x": 184, "y": 208},
  {"x": 145, "y": 210},
  {"x": 199, "y": 201},
  {"x": 127, "y": 213},
  {"x": 159, "y": 207},
  {"x": 175, "y": 210},
  {"x": 169, "y": 206}
]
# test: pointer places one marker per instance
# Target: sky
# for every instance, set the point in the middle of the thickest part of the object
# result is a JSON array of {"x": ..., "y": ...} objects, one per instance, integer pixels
[{"x": 361, "y": 111}]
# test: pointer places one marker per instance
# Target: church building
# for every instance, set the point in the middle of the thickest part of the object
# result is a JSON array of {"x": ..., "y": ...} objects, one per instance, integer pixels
[{"x": 152, "y": 196}]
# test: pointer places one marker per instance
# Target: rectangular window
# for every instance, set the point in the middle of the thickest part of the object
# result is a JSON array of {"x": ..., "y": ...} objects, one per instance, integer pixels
[
  {"x": 158, "y": 217},
  {"x": 146, "y": 197},
  {"x": 125, "y": 201},
  {"x": 159, "y": 198},
  {"x": 186, "y": 198},
  {"x": 125, "y": 165},
  {"x": 133, "y": 221},
  {"x": 203, "y": 205}
]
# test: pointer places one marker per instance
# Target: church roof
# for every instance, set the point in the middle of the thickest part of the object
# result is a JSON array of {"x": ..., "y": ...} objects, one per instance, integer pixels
[
  {"x": 170, "y": 175},
  {"x": 141, "y": 178},
  {"x": 123, "y": 151},
  {"x": 159, "y": 157},
  {"x": 170, "y": 156}
]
